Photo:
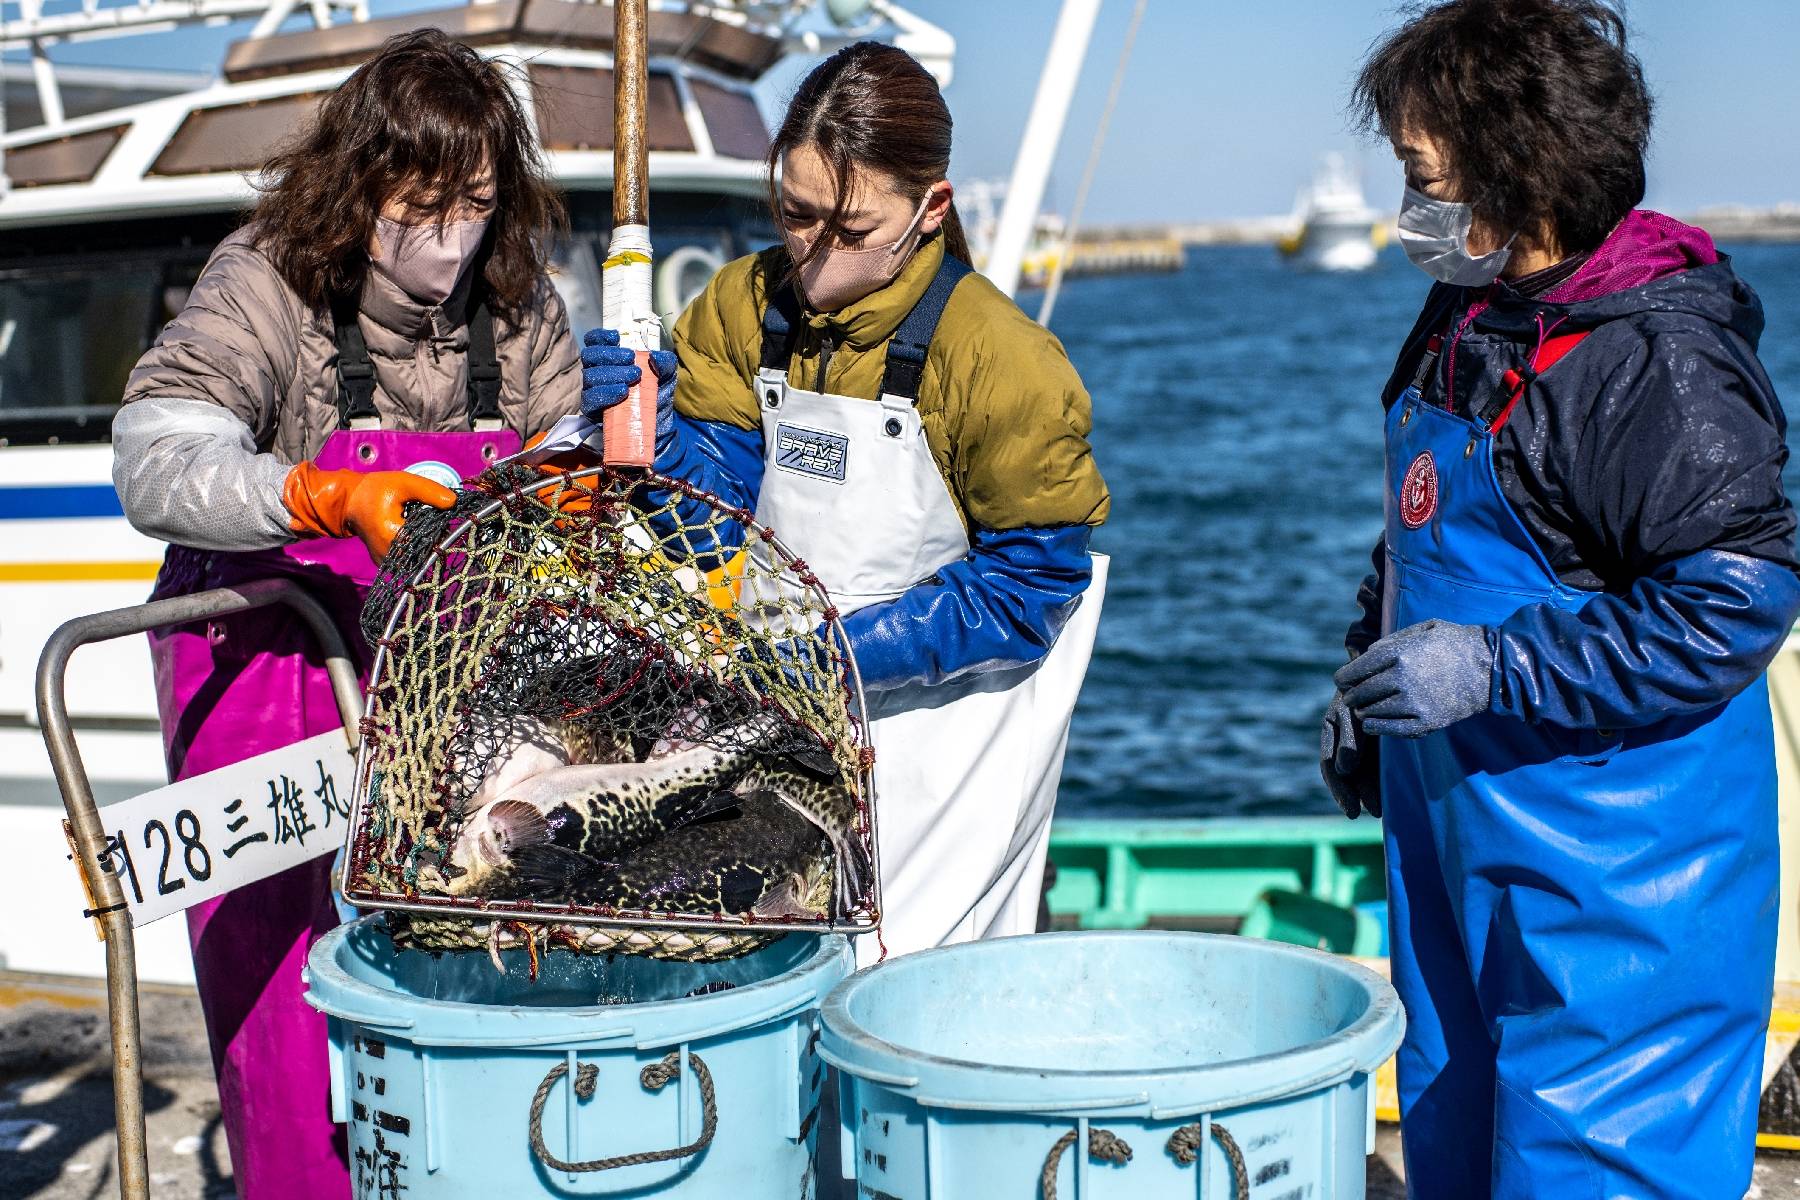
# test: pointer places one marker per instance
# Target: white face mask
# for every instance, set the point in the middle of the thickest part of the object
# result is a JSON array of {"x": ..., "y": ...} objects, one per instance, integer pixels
[
  {"x": 426, "y": 261},
  {"x": 1435, "y": 234}
]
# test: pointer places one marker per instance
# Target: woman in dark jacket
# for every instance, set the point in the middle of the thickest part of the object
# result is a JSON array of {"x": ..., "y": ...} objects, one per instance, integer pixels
[{"x": 1556, "y": 696}]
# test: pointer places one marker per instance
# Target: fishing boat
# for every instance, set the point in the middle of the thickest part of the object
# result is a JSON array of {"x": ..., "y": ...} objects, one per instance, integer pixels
[{"x": 1334, "y": 229}]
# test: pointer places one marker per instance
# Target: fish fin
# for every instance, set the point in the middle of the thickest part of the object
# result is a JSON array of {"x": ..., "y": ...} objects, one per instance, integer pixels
[
  {"x": 854, "y": 867},
  {"x": 720, "y": 803},
  {"x": 811, "y": 756},
  {"x": 853, "y": 871},
  {"x": 519, "y": 823},
  {"x": 786, "y": 901},
  {"x": 549, "y": 871},
  {"x": 773, "y": 734}
]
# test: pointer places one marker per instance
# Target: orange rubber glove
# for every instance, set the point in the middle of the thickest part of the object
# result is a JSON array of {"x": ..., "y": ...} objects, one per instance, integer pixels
[
  {"x": 344, "y": 504},
  {"x": 574, "y": 497}
]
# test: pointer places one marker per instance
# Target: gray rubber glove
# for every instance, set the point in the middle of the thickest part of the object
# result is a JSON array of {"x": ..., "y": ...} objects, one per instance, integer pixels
[
  {"x": 1349, "y": 759},
  {"x": 1420, "y": 679}
]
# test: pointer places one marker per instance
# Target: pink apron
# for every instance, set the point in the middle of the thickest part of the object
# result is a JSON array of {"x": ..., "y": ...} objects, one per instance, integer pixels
[{"x": 233, "y": 688}]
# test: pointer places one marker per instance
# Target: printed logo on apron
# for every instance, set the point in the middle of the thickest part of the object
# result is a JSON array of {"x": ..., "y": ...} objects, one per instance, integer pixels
[
  {"x": 811, "y": 452},
  {"x": 437, "y": 472},
  {"x": 1419, "y": 491}
]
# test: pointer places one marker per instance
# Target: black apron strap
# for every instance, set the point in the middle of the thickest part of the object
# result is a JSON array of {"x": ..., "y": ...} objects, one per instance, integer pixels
[
  {"x": 781, "y": 329},
  {"x": 356, "y": 374},
  {"x": 907, "y": 348},
  {"x": 484, "y": 368}
]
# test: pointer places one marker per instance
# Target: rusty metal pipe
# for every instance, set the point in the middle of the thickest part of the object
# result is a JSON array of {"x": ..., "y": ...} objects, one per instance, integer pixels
[
  {"x": 90, "y": 837},
  {"x": 631, "y": 106}
]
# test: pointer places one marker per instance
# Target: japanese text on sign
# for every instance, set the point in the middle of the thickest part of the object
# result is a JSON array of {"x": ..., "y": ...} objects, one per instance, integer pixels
[{"x": 202, "y": 837}]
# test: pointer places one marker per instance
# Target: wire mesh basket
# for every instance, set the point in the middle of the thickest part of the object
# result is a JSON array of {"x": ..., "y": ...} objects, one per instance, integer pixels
[{"x": 609, "y": 713}]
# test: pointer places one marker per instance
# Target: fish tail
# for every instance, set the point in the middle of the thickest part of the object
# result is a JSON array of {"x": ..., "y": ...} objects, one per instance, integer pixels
[{"x": 552, "y": 871}]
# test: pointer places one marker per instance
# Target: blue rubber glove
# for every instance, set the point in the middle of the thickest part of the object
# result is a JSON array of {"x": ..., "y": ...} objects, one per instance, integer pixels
[
  {"x": 609, "y": 371},
  {"x": 1420, "y": 679},
  {"x": 1349, "y": 759},
  {"x": 717, "y": 458},
  {"x": 1684, "y": 639},
  {"x": 1001, "y": 606}
]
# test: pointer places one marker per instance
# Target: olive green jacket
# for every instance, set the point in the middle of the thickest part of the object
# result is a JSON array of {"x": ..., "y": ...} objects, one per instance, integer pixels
[{"x": 1004, "y": 412}]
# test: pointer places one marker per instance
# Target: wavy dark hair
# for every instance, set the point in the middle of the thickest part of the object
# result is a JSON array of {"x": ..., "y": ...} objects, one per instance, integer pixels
[
  {"x": 870, "y": 106},
  {"x": 1540, "y": 108},
  {"x": 420, "y": 119}
]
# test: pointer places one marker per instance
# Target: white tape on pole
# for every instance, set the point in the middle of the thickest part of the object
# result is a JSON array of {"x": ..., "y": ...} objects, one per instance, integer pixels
[{"x": 202, "y": 837}]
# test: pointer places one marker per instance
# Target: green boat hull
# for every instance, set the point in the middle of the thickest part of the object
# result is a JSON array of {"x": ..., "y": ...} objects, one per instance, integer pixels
[{"x": 1314, "y": 881}]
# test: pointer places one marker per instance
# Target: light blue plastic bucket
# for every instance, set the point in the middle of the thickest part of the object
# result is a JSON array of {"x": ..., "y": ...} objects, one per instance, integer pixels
[
  {"x": 962, "y": 1069},
  {"x": 438, "y": 1063}
]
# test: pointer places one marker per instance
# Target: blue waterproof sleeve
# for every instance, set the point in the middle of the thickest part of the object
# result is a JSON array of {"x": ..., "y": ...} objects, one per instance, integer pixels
[
  {"x": 1686, "y": 638},
  {"x": 1002, "y": 605},
  {"x": 1365, "y": 631},
  {"x": 718, "y": 458}
]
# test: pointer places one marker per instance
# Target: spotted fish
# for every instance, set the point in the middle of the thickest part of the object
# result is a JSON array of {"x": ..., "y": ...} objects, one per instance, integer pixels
[
  {"x": 603, "y": 811},
  {"x": 761, "y": 858},
  {"x": 831, "y": 809}
]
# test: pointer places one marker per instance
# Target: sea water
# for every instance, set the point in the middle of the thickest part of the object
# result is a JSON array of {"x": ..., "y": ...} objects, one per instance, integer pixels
[{"x": 1237, "y": 419}]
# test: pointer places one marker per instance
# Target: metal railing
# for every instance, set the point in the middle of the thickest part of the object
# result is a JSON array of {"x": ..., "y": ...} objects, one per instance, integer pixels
[{"x": 89, "y": 839}]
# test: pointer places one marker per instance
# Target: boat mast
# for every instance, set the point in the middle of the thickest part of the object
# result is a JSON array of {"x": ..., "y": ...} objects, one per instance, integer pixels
[{"x": 1037, "y": 149}]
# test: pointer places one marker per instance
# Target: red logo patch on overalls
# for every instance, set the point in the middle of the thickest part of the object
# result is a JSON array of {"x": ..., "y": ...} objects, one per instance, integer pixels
[{"x": 1419, "y": 491}]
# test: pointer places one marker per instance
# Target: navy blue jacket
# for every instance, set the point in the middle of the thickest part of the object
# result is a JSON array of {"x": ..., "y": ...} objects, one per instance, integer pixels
[{"x": 1647, "y": 465}]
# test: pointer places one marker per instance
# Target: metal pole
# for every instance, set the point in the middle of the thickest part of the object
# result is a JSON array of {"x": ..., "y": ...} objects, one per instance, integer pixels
[
  {"x": 90, "y": 837},
  {"x": 1092, "y": 169},
  {"x": 49, "y": 94},
  {"x": 1037, "y": 149}
]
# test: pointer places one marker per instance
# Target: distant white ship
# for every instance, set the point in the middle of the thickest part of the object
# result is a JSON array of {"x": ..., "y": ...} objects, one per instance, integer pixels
[{"x": 1334, "y": 227}]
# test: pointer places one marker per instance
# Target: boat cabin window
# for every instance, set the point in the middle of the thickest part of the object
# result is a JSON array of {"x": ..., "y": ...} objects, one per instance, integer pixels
[
  {"x": 74, "y": 321},
  {"x": 69, "y": 335}
]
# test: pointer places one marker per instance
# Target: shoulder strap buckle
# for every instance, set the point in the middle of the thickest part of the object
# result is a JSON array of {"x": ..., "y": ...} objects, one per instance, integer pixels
[
  {"x": 1549, "y": 352},
  {"x": 356, "y": 374}
]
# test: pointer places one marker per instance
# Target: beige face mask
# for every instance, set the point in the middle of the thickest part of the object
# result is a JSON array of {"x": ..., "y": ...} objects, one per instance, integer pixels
[
  {"x": 838, "y": 277},
  {"x": 427, "y": 260}
]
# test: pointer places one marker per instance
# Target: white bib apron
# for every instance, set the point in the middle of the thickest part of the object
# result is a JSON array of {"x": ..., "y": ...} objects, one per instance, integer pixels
[{"x": 966, "y": 772}]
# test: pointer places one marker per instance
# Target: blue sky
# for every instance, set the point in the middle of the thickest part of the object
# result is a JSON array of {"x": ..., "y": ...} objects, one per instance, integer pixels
[{"x": 1228, "y": 104}]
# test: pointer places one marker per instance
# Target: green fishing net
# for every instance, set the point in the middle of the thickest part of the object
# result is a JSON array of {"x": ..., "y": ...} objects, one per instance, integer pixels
[{"x": 623, "y": 611}]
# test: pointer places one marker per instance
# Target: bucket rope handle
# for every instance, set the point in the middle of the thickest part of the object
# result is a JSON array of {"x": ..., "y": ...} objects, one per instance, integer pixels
[
  {"x": 654, "y": 1076},
  {"x": 1184, "y": 1144},
  {"x": 1102, "y": 1143}
]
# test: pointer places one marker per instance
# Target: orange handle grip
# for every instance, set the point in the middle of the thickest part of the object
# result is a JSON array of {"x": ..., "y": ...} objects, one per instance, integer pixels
[{"x": 630, "y": 427}]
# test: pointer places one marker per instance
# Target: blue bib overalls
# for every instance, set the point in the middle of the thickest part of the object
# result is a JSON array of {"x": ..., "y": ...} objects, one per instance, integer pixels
[{"x": 1583, "y": 921}]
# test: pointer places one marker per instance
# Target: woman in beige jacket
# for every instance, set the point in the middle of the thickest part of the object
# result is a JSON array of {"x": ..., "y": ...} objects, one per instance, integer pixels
[{"x": 380, "y": 329}]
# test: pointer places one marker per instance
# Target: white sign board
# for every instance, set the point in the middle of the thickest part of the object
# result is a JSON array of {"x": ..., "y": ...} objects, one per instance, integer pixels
[{"x": 202, "y": 837}]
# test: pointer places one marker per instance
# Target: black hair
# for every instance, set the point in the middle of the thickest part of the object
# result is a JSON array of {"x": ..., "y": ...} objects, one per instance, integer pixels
[
  {"x": 873, "y": 106},
  {"x": 1541, "y": 111}
]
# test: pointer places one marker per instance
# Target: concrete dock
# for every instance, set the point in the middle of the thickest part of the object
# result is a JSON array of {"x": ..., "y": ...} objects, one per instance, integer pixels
[{"x": 56, "y": 1140}]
